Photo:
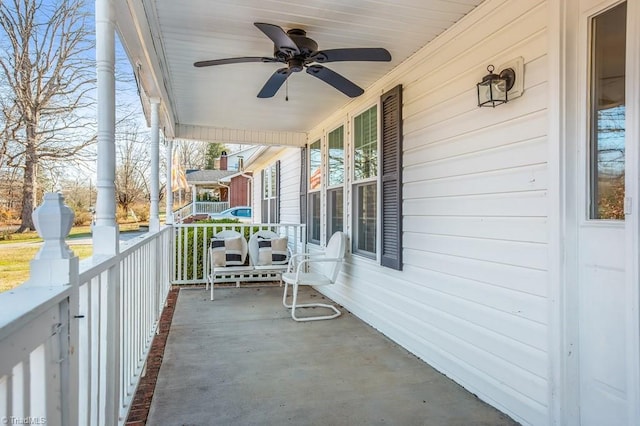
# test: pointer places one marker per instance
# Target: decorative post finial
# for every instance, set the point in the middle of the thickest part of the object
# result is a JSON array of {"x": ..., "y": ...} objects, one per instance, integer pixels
[
  {"x": 55, "y": 263},
  {"x": 53, "y": 221}
]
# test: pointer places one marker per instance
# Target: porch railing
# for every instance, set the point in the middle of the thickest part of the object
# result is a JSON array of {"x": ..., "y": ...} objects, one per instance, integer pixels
[
  {"x": 72, "y": 353},
  {"x": 199, "y": 207},
  {"x": 191, "y": 243}
]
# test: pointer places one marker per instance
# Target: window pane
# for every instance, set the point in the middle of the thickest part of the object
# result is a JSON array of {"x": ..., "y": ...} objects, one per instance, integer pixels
[
  {"x": 315, "y": 159},
  {"x": 274, "y": 180},
  {"x": 335, "y": 201},
  {"x": 608, "y": 114},
  {"x": 365, "y": 156},
  {"x": 314, "y": 219},
  {"x": 265, "y": 184},
  {"x": 365, "y": 218},
  {"x": 336, "y": 156}
]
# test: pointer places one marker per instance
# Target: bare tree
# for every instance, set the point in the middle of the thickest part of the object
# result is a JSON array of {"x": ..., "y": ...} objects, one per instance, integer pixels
[
  {"x": 192, "y": 154},
  {"x": 132, "y": 183},
  {"x": 46, "y": 67}
]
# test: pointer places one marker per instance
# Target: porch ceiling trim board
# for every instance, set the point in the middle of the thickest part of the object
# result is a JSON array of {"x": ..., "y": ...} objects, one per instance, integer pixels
[
  {"x": 240, "y": 136},
  {"x": 136, "y": 37}
]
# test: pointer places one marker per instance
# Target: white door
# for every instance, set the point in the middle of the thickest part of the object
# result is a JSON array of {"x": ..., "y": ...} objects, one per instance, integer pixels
[{"x": 602, "y": 304}]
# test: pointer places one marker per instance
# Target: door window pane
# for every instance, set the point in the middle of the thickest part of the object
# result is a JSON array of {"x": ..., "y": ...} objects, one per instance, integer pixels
[{"x": 607, "y": 132}]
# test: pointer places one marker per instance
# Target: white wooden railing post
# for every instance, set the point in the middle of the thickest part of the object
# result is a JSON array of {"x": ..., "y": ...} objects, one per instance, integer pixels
[
  {"x": 194, "y": 202},
  {"x": 154, "y": 216},
  {"x": 55, "y": 264}
]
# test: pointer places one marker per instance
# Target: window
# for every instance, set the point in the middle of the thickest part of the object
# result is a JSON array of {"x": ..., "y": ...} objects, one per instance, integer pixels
[
  {"x": 315, "y": 162},
  {"x": 242, "y": 213},
  {"x": 314, "y": 217},
  {"x": 607, "y": 115},
  {"x": 270, "y": 211},
  {"x": 315, "y": 179},
  {"x": 360, "y": 178},
  {"x": 365, "y": 216},
  {"x": 365, "y": 155},
  {"x": 335, "y": 211},
  {"x": 365, "y": 170},
  {"x": 303, "y": 187},
  {"x": 336, "y": 157},
  {"x": 335, "y": 181}
]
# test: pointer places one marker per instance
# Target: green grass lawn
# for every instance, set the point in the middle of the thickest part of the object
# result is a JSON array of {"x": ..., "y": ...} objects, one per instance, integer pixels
[
  {"x": 76, "y": 232},
  {"x": 14, "y": 260}
]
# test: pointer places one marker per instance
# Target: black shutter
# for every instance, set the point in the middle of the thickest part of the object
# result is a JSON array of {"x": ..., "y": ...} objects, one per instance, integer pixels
[
  {"x": 276, "y": 216},
  {"x": 391, "y": 135},
  {"x": 303, "y": 185}
]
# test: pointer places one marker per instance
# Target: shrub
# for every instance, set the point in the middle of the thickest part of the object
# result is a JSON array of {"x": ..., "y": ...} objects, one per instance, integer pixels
[
  {"x": 198, "y": 233},
  {"x": 82, "y": 218},
  {"x": 141, "y": 211},
  {"x": 5, "y": 215},
  {"x": 121, "y": 215}
]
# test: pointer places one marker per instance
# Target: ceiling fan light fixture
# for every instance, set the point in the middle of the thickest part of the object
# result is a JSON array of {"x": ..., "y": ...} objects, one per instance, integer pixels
[{"x": 296, "y": 64}]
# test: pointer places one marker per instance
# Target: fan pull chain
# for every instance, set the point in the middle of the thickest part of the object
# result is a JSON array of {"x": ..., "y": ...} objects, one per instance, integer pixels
[{"x": 286, "y": 98}]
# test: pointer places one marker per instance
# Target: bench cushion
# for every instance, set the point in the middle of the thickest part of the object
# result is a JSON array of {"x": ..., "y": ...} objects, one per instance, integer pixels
[
  {"x": 227, "y": 251},
  {"x": 272, "y": 251}
]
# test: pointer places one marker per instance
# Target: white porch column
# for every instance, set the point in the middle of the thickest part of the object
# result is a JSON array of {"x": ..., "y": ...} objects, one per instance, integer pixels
[
  {"x": 105, "y": 231},
  {"x": 154, "y": 215},
  {"x": 194, "y": 192},
  {"x": 169, "y": 215}
]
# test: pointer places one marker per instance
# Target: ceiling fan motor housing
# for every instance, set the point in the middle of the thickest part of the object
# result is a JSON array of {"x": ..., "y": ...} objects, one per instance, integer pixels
[{"x": 306, "y": 46}]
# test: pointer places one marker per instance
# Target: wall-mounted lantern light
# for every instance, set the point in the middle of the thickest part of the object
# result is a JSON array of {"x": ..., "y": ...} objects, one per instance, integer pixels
[{"x": 493, "y": 89}]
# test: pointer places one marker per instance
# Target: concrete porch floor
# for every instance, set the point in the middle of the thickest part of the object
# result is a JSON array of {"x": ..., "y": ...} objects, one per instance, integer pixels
[{"x": 242, "y": 360}]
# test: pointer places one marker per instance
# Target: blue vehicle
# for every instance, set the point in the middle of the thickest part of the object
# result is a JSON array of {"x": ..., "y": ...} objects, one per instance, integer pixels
[{"x": 243, "y": 213}]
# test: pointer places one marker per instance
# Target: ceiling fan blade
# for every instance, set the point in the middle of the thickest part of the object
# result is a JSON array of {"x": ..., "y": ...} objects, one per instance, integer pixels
[
  {"x": 336, "y": 80},
  {"x": 274, "y": 83},
  {"x": 282, "y": 41},
  {"x": 233, "y": 61},
  {"x": 352, "y": 54}
]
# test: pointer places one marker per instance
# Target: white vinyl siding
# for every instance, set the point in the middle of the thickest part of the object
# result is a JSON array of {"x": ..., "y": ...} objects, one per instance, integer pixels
[
  {"x": 472, "y": 298},
  {"x": 290, "y": 186}
]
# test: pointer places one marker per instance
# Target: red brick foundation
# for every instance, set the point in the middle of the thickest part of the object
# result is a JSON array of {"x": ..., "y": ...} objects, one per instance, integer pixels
[{"x": 142, "y": 399}]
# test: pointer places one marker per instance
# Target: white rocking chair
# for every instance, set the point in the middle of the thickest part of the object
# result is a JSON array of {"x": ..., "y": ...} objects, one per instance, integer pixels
[{"x": 326, "y": 267}]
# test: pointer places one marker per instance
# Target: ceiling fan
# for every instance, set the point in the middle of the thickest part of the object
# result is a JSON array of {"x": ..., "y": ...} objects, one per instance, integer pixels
[{"x": 298, "y": 51}]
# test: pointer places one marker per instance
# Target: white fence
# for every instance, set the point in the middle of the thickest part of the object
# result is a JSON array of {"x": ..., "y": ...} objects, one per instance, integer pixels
[
  {"x": 199, "y": 207},
  {"x": 73, "y": 354},
  {"x": 191, "y": 243},
  {"x": 207, "y": 207}
]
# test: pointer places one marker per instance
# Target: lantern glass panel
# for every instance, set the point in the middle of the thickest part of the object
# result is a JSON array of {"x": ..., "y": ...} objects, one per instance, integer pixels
[{"x": 492, "y": 91}]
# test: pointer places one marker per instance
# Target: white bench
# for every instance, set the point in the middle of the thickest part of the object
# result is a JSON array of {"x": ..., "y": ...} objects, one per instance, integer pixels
[{"x": 251, "y": 272}]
